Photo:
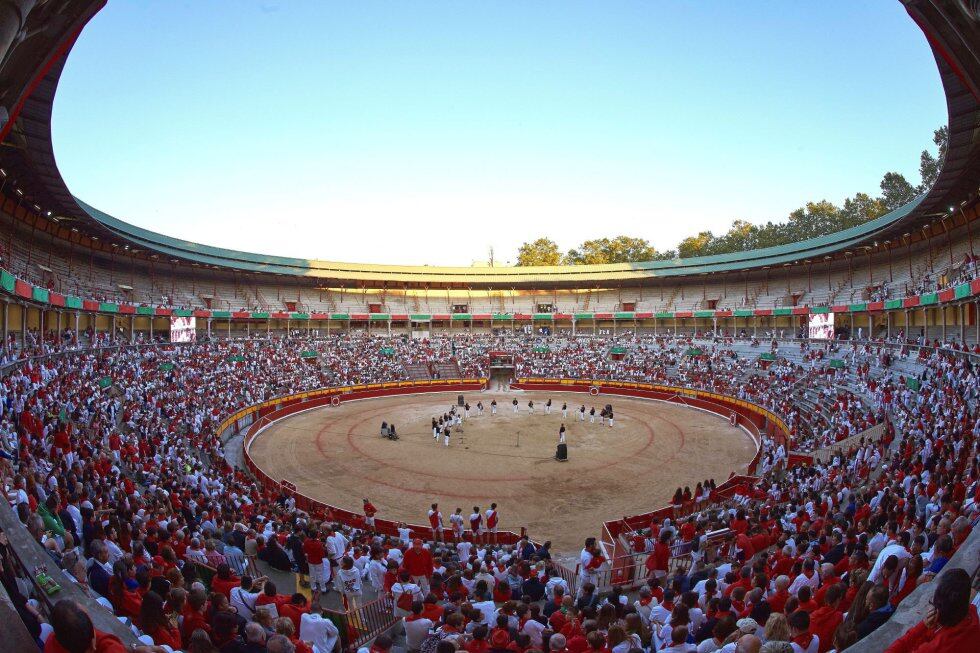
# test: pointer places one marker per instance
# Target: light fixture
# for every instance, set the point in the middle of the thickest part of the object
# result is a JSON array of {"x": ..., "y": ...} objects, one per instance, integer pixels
[
  {"x": 49, "y": 214},
  {"x": 20, "y": 192}
]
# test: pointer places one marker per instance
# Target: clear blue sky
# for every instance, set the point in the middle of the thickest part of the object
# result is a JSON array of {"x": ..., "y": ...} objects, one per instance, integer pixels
[{"x": 420, "y": 132}]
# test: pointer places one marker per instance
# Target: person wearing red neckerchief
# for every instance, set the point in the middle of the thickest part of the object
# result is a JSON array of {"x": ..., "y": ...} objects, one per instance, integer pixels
[
  {"x": 803, "y": 640},
  {"x": 825, "y": 620}
]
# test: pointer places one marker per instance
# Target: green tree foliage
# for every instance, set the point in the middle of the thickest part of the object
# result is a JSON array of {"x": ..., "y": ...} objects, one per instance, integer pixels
[
  {"x": 896, "y": 191},
  {"x": 542, "y": 251},
  {"x": 812, "y": 220},
  {"x": 929, "y": 165},
  {"x": 699, "y": 245},
  {"x": 621, "y": 249}
]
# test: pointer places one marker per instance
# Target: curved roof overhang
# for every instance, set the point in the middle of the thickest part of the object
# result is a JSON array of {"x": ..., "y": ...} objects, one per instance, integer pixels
[{"x": 953, "y": 32}]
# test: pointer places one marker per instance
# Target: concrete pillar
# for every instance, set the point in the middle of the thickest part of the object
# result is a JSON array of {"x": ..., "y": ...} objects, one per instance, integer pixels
[
  {"x": 77, "y": 318},
  {"x": 209, "y": 328},
  {"x": 23, "y": 326},
  {"x": 151, "y": 328},
  {"x": 6, "y": 328},
  {"x": 962, "y": 308},
  {"x": 132, "y": 329},
  {"x": 573, "y": 326}
]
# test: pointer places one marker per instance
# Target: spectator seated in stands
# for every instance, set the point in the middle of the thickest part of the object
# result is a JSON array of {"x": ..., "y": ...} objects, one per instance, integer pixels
[{"x": 950, "y": 623}]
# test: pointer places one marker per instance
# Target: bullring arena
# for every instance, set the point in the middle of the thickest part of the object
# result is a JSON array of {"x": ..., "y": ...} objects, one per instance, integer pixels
[
  {"x": 191, "y": 442},
  {"x": 336, "y": 454}
]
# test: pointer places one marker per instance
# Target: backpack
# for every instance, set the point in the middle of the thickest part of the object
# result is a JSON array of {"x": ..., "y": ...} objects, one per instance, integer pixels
[{"x": 405, "y": 600}]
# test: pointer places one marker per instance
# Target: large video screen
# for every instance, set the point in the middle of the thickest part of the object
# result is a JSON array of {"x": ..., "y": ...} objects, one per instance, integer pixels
[
  {"x": 182, "y": 329},
  {"x": 822, "y": 326}
]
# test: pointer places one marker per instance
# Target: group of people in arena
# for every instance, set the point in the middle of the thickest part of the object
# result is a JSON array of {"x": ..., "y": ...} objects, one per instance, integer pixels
[{"x": 110, "y": 461}]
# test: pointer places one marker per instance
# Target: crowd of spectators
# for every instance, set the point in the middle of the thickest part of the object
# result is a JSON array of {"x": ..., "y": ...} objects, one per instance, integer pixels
[{"x": 112, "y": 464}]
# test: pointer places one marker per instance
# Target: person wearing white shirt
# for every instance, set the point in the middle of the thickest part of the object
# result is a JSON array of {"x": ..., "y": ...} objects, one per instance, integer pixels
[
  {"x": 319, "y": 631},
  {"x": 416, "y": 629},
  {"x": 243, "y": 597},
  {"x": 553, "y": 582},
  {"x": 486, "y": 605},
  {"x": 897, "y": 548},
  {"x": 808, "y": 577},
  {"x": 534, "y": 629},
  {"x": 396, "y": 555}
]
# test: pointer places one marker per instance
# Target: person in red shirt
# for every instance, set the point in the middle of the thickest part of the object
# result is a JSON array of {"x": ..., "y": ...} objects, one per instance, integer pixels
[
  {"x": 479, "y": 643},
  {"x": 825, "y": 620},
  {"x": 154, "y": 622},
  {"x": 950, "y": 624},
  {"x": 125, "y": 601},
  {"x": 224, "y": 580},
  {"x": 431, "y": 609},
  {"x": 435, "y": 522},
  {"x": 659, "y": 559},
  {"x": 194, "y": 619},
  {"x": 369, "y": 512},
  {"x": 418, "y": 563},
  {"x": 270, "y": 596},
  {"x": 294, "y": 609},
  {"x": 805, "y": 597},
  {"x": 315, "y": 553},
  {"x": 778, "y": 600}
]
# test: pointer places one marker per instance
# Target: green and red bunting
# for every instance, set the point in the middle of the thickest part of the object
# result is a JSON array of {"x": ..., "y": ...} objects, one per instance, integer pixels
[{"x": 10, "y": 284}]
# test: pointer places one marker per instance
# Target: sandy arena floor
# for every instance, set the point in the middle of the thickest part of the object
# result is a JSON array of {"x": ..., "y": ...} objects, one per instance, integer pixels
[{"x": 337, "y": 455}]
